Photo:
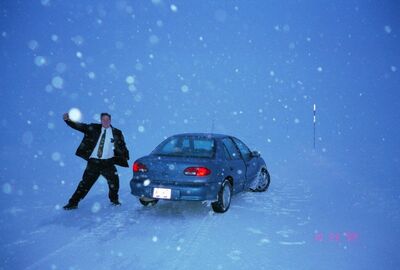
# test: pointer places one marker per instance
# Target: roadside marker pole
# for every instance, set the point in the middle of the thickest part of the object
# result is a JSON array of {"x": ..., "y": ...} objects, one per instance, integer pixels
[{"x": 314, "y": 120}]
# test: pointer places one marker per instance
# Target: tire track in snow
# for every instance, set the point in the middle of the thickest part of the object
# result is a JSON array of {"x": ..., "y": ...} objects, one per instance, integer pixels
[
  {"x": 94, "y": 233},
  {"x": 196, "y": 236},
  {"x": 197, "y": 239}
]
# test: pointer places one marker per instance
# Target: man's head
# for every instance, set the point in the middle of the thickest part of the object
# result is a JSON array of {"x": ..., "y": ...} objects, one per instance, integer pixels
[{"x": 105, "y": 120}]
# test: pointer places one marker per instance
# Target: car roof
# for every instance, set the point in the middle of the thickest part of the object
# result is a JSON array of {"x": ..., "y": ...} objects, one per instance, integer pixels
[{"x": 208, "y": 135}]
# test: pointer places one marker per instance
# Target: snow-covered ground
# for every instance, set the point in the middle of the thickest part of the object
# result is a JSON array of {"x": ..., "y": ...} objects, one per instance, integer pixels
[{"x": 307, "y": 219}]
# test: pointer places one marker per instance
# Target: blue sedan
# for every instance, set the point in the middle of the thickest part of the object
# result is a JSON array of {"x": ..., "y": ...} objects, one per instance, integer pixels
[{"x": 199, "y": 167}]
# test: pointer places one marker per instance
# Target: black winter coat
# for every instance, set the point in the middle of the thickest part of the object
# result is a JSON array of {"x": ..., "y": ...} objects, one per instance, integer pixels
[{"x": 91, "y": 136}]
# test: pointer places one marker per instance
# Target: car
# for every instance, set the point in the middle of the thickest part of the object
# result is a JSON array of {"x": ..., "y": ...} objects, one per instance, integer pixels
[{"x": 199, "y": 167}]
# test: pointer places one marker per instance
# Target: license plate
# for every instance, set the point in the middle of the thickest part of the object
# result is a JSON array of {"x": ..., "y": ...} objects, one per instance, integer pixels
[{"x": 162, "y": 193}]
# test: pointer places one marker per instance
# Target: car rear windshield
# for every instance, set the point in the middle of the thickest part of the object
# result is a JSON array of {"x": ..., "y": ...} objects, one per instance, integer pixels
[{"x": 187, "y": 146}]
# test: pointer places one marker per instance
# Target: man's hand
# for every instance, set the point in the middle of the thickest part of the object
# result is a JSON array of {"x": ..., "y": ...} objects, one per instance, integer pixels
[{"x": 65, "y": 116}]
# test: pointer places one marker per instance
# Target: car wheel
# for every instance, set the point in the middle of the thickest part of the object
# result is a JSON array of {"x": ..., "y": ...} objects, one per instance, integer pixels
[
  {"x": 224, "y": 198},
  {"x": 263, "y": 180},
  {"x": 148, "y": 201}
]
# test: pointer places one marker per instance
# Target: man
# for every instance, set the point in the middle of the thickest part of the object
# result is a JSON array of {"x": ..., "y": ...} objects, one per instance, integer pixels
[{"x": 102, "y": 146}]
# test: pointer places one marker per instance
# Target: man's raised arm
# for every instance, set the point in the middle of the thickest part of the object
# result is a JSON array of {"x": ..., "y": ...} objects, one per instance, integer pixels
[{"x": 75, "y": 125}]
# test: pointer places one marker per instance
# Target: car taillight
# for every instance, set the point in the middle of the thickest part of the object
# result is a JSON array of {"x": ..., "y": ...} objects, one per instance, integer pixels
[
  {"x": 197, "y": 171},
  {"x": 139, "y": 167}
]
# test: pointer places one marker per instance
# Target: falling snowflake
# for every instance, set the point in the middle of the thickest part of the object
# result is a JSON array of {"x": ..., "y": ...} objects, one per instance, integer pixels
[
  {"x": 57, "y": 82},
  {"x": 45, "y": 2},
  {"x": 33, "y": 45},
  {"x": 153, "y": 39},
  {"x": 92, "y": 75},
  {"x": 56, "y": 156},
  {"x": 130, "y": 79},
  {"x": 40, "y": 61},
  {"x": 61, "y": 67},
  {"x": 174, "y": 8},
  {"x": 185, "y": 88},
  {"x": 7, "y": 188},
  {"x": 146, "y": 182},
  {"x": 96, "y": 207}
]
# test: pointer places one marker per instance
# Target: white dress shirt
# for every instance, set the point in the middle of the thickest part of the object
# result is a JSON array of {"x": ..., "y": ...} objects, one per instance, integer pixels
[{"x": 108, "y": 148}]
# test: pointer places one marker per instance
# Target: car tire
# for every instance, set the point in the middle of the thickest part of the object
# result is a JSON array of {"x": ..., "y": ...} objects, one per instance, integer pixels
[
  {"x": 148, "y": 201},
  {"x": 224, "y": 198},
  {"x": 264, "y": 179}
]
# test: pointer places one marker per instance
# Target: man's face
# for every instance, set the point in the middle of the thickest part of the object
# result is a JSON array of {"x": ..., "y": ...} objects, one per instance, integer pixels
[{"x": 105, "y": 121}]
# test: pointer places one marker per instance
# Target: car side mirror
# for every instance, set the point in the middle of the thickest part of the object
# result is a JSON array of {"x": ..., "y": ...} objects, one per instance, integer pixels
[{"x": 255, "y": 154}]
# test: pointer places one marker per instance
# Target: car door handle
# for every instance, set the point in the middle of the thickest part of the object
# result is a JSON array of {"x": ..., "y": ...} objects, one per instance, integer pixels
[{"x": 231, "y": 168}]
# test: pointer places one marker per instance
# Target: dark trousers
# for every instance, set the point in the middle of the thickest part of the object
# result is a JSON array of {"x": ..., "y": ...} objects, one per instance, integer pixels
[{"x": 95, "y": 168}]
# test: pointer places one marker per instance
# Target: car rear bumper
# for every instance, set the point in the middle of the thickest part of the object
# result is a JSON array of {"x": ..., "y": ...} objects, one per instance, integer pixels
[{"x": 187, "y": 191}]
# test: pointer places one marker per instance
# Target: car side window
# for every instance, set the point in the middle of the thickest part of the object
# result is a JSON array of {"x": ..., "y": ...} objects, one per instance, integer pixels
[
  {"x": 185, "y": 143},
  {"x": 170, "y": 145},
  {"x": 228, "y": 156},
  {"x": 231, "y": 148},
  {"x": 244, "y": 150}
]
